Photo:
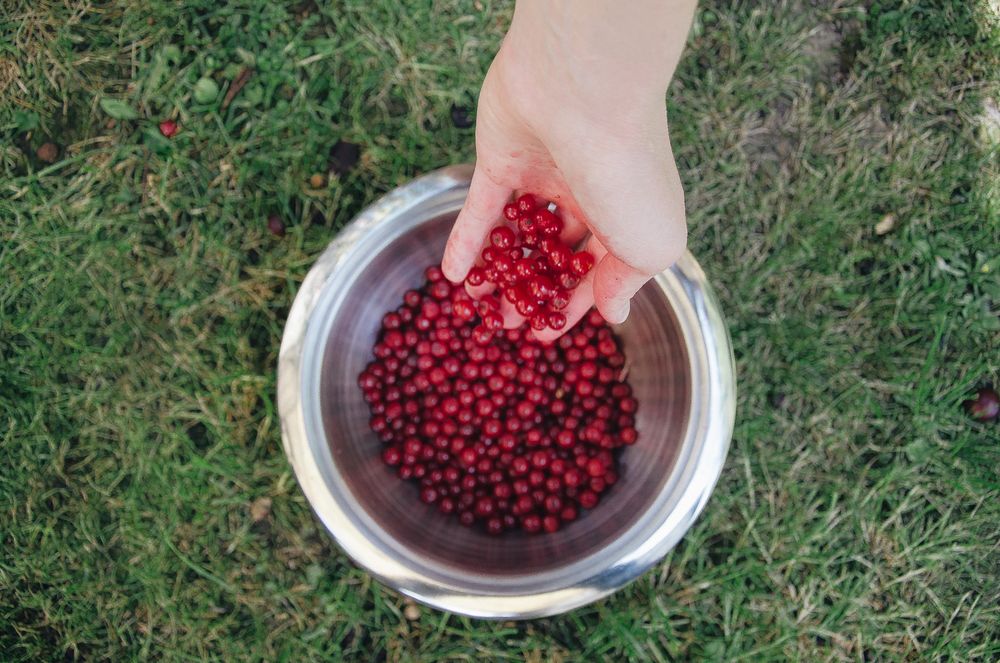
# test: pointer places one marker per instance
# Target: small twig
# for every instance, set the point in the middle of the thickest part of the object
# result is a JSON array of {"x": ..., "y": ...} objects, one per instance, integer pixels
[{"x": 241, "y": 79}]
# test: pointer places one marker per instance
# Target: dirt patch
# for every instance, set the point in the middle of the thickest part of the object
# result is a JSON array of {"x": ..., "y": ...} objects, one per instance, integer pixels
[
  {"x": 830, "y": 50},
  {"x": 10, "y": 74}
]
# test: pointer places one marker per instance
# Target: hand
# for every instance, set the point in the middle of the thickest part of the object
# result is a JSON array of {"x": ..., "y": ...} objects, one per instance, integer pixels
[{"x": 572, "y": 109}]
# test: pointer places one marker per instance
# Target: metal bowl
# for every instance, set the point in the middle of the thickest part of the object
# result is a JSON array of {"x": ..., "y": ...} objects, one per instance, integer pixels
[{"x": 681, "y": 371}]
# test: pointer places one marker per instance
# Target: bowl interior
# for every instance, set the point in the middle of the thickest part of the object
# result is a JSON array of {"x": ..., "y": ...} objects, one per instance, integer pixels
[{"x": 659, "y": 373}]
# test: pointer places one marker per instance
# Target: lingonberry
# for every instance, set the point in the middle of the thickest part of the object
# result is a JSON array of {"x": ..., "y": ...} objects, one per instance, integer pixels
[
  {"x": 581, "y": 263},
  {"x": 526, "y": 203},
  {"x": 476, "y": 276},
  {"x": 494, "y": 427},
  {"x": 503, "y": 237},
  {"x": 169, "y": 128},
  {"x": 985, "y": 406}
]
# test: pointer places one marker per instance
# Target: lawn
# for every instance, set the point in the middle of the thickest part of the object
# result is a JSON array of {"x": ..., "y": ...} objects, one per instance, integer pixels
[{"x": 841, "y": 168}]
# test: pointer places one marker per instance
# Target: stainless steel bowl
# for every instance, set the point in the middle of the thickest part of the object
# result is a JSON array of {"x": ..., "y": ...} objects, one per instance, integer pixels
[{"x": 681, "y": 370}]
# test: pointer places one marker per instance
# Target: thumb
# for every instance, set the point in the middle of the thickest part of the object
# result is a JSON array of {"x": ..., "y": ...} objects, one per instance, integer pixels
[
  {"x": 483, "y": 208},
  {"x": 615, "y": 283},
  {"x": 635, "y": 207}
]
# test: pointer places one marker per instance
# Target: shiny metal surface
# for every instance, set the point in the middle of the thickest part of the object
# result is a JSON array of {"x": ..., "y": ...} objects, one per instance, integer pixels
[{"x": 681, "y": 369}]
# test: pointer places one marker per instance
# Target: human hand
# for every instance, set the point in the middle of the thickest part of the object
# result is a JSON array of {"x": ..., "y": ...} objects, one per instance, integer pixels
[{"x": 572, "y": 109}]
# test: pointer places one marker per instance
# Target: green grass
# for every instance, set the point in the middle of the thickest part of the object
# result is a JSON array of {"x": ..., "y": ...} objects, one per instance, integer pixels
[{"x": 142, "y": 301}]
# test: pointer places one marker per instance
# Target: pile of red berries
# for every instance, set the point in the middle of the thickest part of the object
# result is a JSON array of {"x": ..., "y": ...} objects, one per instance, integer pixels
[
  {"x": 531, "y": 267},
  {"x": 501, "y": 430}
]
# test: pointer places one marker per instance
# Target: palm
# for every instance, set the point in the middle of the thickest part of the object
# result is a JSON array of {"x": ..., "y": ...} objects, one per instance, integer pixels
[{"x": 603, "y": 183}]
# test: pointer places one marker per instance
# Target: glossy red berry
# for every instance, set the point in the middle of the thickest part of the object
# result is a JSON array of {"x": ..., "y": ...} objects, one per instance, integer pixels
[
  {"x": 985, "y": 406},
  {"x": 502, "y": 237},
  {"x": 476, "y": 276},
  {"x": 581, "y": 263},
  {"x": 541, "y": 287},
  {"x": 496, "y": 428},
  {"x": 560, "y": 300},
  {"x": 560, "y": 256},
  {"x": 276, "y": 225},
  {"x": 548, "y": 224},
  {"x": 169, "y": 128},
  {"x": 490, "y": 254},
  {"x": 526, "y": 203}
]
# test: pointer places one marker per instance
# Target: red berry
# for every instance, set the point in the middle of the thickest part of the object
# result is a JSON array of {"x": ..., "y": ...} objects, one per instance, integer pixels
[
  {"x": 276, "y": 225},
  {"x": 526, "y": 203},
  {"x": 169, "y": 128},
  {"x": 502, "y": 237},
  {"x": 551, "y": 524},
  {"x": 595, "y": 468},
  {"x": 482, "y": 335},
  {"x": 503, "y": 263},
  {"x": 510, "y": 212},
  {"x": 560, "y": 300},
  {"x": 476, "y": 276},
  {"x": 497, "y": 429},
  {"x": 541, "y": 287},
  {"x": 985, "y": 406},
  {"x": 588, "y": 499},
  {"x": 581, "y": 263},
  {"x": 560, "y": 256},
  {"x": 531, "y": 524},
  {"x": 525, "y": 268},
  {"x": 490, "y": 253},
  {"x": 548, "y": 244},
  {"x": 549, "y": 225},
  {"x": 526, "y": 307},
  {"x": 569, "y": 280},
  {"x": 493, "y": 321},
  {"x": 465, "y": 310}
]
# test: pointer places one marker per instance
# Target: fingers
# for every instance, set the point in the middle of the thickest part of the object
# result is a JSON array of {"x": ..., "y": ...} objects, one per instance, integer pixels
[
  {"x": 511, "y": 318},
  {"x": 574, "y": 226},
  {"x": 633, "y": 199},
  {"x": 482, "y": 208},
  {"x": 615, "y": 283}
]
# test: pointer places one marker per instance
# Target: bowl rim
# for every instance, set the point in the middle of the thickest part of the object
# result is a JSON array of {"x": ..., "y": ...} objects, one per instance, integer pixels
[{"x": 711, "y": 422}]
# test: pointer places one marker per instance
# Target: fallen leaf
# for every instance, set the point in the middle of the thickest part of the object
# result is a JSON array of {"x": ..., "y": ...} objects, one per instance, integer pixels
[
  {"x": 886, "y": 225},
  {"x": 118, "y": 109},
  {"x": 241, "y": 79},
  {"x": 48, "y": 152},
  {"x": 260, "y": 509}
]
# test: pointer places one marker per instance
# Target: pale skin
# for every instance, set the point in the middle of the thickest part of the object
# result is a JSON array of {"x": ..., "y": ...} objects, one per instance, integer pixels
[{"x": 572, "y": 109}]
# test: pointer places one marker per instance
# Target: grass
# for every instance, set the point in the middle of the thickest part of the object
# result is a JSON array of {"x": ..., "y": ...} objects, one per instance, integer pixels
[{"x": 146, "y": 508}]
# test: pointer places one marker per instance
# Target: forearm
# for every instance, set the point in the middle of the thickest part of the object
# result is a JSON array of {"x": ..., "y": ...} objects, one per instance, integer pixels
[{"x": 622, "y": 52}]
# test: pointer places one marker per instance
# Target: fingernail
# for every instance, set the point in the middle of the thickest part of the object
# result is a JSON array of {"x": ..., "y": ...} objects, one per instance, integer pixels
[
  {"x": 618, "y": 311},
  {"x": 450, "y": 272}
]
